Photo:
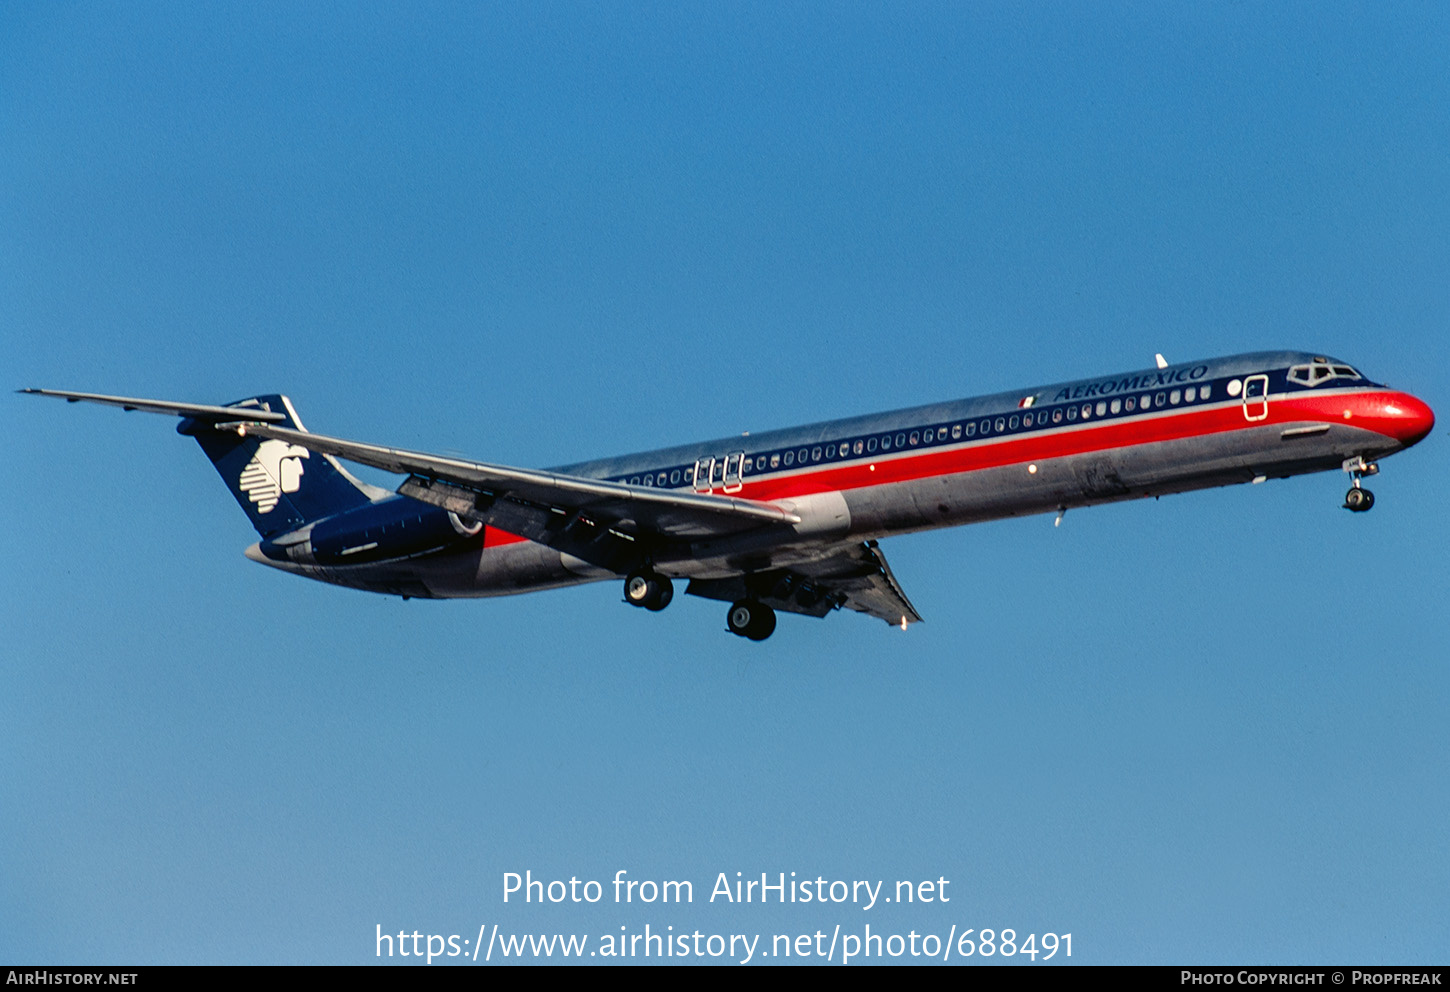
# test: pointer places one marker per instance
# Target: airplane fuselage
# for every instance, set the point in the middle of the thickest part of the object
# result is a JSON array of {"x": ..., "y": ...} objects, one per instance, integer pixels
[{"x": 1051, "y": 448}]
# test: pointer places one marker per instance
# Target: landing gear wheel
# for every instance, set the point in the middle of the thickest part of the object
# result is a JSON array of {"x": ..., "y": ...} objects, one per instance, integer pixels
[
  {"x": 648, "y": 589},
  {"x": 1358, "y": 500},
  {"x": 748, "y": 618}
]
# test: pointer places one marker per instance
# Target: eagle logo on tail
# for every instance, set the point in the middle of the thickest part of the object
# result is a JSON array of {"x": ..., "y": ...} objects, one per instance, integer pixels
[{"x": 275, "y": 469}]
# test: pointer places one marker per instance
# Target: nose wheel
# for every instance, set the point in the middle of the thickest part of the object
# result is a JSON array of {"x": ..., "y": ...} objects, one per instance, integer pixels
[{"x": 1359, "y": 499}]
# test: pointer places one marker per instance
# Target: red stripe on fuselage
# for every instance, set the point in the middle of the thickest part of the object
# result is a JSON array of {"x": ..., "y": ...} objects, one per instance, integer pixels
[
  {"x": 1366, "y": 410},
  {"x": 1374, "y": 410}
]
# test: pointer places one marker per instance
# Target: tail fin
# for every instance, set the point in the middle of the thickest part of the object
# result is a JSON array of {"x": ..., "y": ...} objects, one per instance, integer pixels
[{"x": 281, "y": 486}]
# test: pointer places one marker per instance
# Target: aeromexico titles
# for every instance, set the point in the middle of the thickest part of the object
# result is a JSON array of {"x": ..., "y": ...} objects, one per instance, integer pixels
[{"x": 787, "y": 520}]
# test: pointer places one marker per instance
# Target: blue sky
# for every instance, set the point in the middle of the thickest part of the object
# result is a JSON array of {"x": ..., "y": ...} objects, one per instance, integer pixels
[{"x": 1205, "y": 729}]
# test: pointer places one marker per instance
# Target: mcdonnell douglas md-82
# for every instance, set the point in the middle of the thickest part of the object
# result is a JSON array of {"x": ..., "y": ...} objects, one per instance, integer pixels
[{"x": 787, "y": 520}]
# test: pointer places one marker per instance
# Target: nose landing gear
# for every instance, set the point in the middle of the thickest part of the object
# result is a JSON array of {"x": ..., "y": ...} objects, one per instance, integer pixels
[{"x": 1359, "y": 499}]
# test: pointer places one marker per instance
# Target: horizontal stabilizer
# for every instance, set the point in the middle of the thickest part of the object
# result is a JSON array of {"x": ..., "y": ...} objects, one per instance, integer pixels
[
  {"x": 279, "y": 486},
  {"x": 197, "y": 411}
]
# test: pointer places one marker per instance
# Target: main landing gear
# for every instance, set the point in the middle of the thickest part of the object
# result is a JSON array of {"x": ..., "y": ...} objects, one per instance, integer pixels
[
  {"x": 653, "y": 591},
  {"x": 747, "y": 618},
  {"x": 648, "y": 589},
  {"x": 1359, "y": 499}
]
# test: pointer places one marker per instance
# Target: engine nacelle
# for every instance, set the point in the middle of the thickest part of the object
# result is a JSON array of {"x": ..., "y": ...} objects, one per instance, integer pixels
[{"x": 382, "y": 531}]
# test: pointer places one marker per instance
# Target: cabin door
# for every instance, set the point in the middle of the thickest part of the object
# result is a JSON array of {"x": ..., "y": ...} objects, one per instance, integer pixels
[{"x": 1256, "y": 397}]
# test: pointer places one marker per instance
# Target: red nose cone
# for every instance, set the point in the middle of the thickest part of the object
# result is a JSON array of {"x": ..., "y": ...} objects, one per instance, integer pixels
[{"x": 1411, "y": 418}]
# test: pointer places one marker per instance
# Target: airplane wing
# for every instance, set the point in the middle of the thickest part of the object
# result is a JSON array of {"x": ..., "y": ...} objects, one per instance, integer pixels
[
  {"x": 853, "y": 576},
  {"x": 861, "y": 574},
  {"x": 605, "y": 523}
]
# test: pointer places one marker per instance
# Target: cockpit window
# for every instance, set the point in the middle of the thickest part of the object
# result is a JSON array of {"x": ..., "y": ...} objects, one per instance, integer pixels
[{"x": 1319, "y": 372}]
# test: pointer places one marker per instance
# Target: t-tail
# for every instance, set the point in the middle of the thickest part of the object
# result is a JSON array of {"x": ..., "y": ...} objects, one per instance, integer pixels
[{"x": 280, "y": 486}]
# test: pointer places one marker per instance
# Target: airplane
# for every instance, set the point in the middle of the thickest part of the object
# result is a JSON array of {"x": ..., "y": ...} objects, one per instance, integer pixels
[{"x": 788, "y": 520}]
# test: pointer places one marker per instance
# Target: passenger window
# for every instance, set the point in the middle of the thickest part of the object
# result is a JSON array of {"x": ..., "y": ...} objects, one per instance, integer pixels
[
  {"x": 775, "y": 461},
  {"x": 956, "y": 431},
  {"x": 1117, "y": 406},
  {"x": 1173, "y": 397},
  {"x": 1087, "y": 410},
  {"x": 1203, "y": 392},
  {"x": 1057, "y": 415},
  {"x": 1159, "y": 399},
  {"x": 1102, "y": 408},
  {"x": 1072, "y": 413},
  {"x": 886, "y": 443},
  {"x": 972, "y": 429},
  {"x": 871, "y": 445},
  {"x": 815, "y": 454},
  {"x": 1000, "y": 425},
  {"x": 900, "y": 440},
  {"x": 856, "y": 447},
  {"x": 675, "y": 477},
  {"x": 1014, "y": 421},
  {"x": 986, "y": 426},
  {"x": 915, "y": 437}
]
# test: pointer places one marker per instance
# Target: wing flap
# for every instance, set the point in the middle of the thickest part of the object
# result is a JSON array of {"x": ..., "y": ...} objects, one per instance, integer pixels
[
  {"x": 849, "y": 576},
  {"x": 876, "y": 592},
  {"x": 859, "y": 572}
]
